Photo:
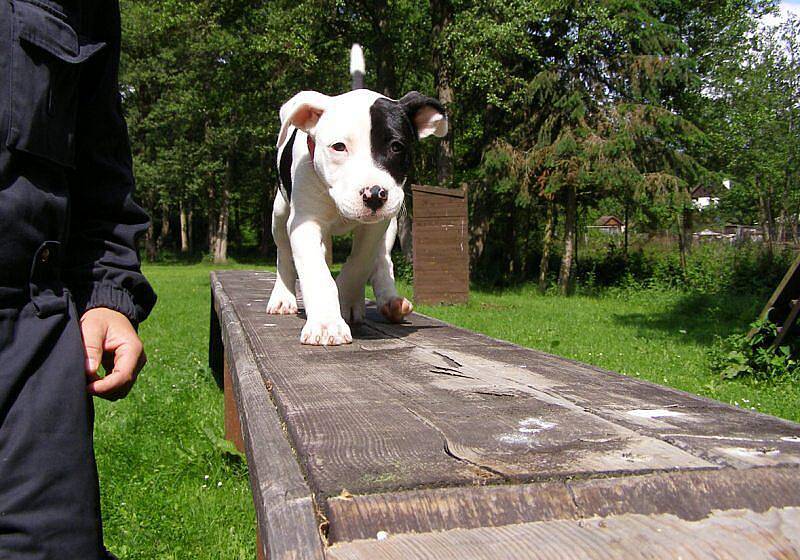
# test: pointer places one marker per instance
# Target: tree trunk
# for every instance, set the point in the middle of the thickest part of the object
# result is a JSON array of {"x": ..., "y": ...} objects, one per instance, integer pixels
[
  {"x": 150, "y": 243},
  {"x": 625, "y": 232},
  {"x": 162, "y": 238},
  {"x": 404, "y": 234},
  {"x": 384, "y": 49},
  {"x": 186, "y": 236},
  {"x": 766, "y": 215},
  {"x": 220, "y": 248},
  {"x": 567, "y": 260},
  {"x": 442, "y": 16},
  {"x": 265, "y": 241},
  {"x": 682, "y": 243},
  {"x": 547, "y": 243}
]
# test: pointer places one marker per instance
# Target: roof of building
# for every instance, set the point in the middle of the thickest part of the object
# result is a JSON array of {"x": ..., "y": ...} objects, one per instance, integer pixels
[{"x": 608, "y": 221}]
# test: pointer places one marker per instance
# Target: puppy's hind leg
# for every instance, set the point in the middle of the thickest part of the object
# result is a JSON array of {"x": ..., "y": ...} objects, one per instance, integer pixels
[
  {"x": 390, "y": 304},
  {"x": 283, "y": 300}
]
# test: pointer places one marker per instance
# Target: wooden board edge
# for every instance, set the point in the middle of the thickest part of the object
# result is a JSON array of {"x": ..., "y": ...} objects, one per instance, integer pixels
[
  {"x": 727, "y": 534},
  {"x": 688, "y": 495},
  {"x": 287, "y": 520},
  {"x": 459, "y": 192}
]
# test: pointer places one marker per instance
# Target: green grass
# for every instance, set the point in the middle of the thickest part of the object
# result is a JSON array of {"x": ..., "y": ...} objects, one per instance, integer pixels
[{"x": 171, "y": 491}]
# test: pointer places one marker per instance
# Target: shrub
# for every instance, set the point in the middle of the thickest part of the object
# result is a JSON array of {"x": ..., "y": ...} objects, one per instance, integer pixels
[{"x": 740, "y": 355}]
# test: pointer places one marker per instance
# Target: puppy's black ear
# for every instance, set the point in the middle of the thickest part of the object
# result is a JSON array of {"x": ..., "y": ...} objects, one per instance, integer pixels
[{"x": 426, "y": 113}]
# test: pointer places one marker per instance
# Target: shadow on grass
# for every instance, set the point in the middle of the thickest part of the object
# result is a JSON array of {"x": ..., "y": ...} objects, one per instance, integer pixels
[{"x": 702, "y": 316}]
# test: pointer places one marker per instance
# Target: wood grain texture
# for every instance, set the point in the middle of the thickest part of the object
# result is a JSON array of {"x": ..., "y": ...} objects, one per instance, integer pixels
[
  {"x": 691, "y": 496},
  {"x": 441, "y": 245},
  {"x": 288, "y": 526},
  {"x": 733, "y": 534},
  {"x": 233, "y": 428},
  {"x": 426, "y": 428}
]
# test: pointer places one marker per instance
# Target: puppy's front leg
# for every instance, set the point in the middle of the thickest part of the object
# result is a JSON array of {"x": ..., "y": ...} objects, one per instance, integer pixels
[
  {"x": 324, "y": 324},
  {"x": 390, "y": 304},
  {"x": 367, "y": 239}
]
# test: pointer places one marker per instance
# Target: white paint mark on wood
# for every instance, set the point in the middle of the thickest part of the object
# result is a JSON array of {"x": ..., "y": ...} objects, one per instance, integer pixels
[
  {"x": 654, "y": 413},
  {"x": 534, "y": 425},
  {"x": 791, "y": 439},
  {"x": 528, "y": 428}
]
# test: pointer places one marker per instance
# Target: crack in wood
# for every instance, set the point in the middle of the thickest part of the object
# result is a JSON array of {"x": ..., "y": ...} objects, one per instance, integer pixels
[
  {"x": 448, "y": 358},
  {"x": 449, "y": 371},
  {"x": 486, "y": 472}
]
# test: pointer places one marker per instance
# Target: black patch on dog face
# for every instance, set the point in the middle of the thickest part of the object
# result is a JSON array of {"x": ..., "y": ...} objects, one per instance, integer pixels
[
  {"x": 285, "y": 166},
  {"x": 392, "y": 137}
]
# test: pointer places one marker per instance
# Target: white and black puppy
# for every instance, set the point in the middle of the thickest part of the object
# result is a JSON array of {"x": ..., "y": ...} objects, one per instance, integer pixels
[{"x": 343, "y": 161}]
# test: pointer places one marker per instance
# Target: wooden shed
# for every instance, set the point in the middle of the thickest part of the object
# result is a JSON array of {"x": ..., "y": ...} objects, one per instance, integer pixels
[{"x": 441, "y": 245}]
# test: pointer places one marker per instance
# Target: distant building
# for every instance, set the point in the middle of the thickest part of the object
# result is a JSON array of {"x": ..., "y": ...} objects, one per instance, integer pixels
[
  {"x": 710, "y": 235},
  {"x": 608, "y": 224},
  {"x": 744, "y": 233},
  {"x": 703, "y": 198}
]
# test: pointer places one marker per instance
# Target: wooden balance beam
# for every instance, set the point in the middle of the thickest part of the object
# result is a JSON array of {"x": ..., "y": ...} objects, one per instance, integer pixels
[{"x": 427, "y": 441}]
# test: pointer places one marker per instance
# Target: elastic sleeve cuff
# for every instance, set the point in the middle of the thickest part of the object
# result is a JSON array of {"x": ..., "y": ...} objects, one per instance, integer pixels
[{"x": 110, "y": 297}]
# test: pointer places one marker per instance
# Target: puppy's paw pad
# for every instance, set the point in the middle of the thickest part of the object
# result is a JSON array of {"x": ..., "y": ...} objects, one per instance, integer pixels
[
  {"x": 326, "y": 333},
  {"x": 396, "y": 309},
  {"x": 285, "y": 304}
]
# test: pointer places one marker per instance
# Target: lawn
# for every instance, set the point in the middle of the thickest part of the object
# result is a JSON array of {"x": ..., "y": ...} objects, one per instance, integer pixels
[{"x": 172, "y": 491}]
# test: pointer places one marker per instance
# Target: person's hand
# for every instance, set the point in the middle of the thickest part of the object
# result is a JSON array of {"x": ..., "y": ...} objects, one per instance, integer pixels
[{"x": 109, "y": 339}]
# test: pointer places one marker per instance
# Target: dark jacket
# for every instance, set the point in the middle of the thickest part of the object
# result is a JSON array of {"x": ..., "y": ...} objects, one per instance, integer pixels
[{"x": 67, "y": 216}]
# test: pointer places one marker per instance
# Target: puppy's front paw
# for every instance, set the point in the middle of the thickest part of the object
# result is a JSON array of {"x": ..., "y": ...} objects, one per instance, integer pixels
[
  {"x": 354, "y": 312},
  {"x": 396, "y": 309},
  {"x": 282, "y": 302},
  {"x": 326, "y": 333}
]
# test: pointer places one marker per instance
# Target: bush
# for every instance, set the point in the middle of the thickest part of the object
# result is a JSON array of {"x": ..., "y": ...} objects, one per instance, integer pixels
[
  {"x": 710, "y": 268},
  {"x": 740, "y": 355}
]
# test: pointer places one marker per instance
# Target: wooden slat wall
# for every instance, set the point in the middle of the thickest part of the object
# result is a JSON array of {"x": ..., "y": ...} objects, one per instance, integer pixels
[{"x": 441, "y": 245}]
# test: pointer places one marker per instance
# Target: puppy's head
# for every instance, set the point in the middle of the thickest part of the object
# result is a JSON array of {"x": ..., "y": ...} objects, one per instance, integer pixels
[{"x": 361, "y": 144}]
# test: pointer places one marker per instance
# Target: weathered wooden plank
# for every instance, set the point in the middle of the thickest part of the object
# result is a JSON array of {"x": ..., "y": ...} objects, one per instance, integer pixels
[
  {"x": 714, "y": 431},
  {"x": 728, "y": 534},
  {"x": 689, "y": 495},
  {"x": 382, "y": 414},
  {"x": 349, "y": 432},
  {"x": 288, "y": 526}
]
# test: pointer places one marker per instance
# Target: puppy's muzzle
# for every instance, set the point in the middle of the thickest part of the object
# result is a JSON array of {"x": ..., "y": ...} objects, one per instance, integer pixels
[{"x": 374, "y": 197}]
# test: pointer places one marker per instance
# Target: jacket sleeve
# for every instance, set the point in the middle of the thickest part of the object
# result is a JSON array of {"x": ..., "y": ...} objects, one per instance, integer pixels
[{"x": 101, "y": 265}]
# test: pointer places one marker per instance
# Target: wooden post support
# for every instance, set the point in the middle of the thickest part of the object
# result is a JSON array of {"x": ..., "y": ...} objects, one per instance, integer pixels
[
  {"x": 783, "y": 306},
  {"x": 233, "y": 429},
  {"x": 441, "y": 245}
]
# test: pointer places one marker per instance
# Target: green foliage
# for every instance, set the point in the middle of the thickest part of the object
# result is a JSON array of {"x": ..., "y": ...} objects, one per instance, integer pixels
[
  {"x": 629, "y": 103},
  {"x": 752, "y": 355},
  {"x": 710, "y": 269}
]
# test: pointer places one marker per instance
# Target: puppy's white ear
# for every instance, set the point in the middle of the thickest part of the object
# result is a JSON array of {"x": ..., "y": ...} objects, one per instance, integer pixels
[
  {"x": 426, "y": 113},
  {"x": 302, "y": 111}
]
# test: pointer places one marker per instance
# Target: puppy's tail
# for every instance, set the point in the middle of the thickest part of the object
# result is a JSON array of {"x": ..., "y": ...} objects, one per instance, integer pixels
[{"x": 357, "y": 68}]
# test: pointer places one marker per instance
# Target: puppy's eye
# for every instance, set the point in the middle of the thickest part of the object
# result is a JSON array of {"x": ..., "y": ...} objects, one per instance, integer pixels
[
  {"x": 339, "y": 147},
  {"x": 397, "y": 147}
]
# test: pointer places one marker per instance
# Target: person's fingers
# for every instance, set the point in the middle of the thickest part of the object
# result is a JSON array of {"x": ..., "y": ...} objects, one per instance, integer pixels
[
  {"x": 129, "y": 359},
  {"x": 94, "y": 334}
]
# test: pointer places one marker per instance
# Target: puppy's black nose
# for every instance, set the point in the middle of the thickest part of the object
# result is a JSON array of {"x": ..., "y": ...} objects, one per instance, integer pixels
[{"x": 374, "y": 197}]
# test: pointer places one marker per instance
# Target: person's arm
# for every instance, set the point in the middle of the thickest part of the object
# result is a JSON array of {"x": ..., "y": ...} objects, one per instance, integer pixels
[{"x": 101, "y": 265}]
